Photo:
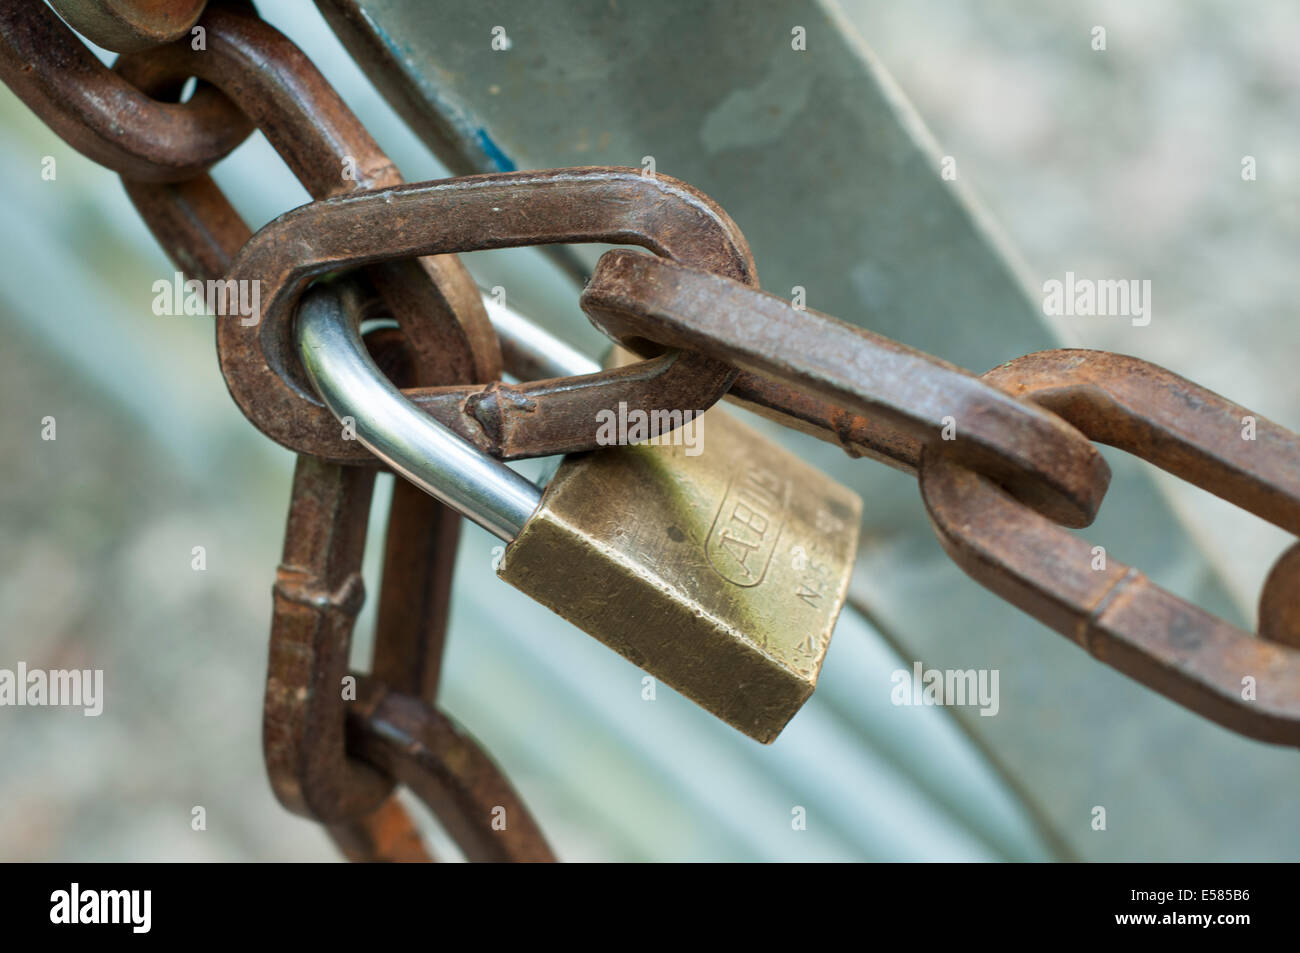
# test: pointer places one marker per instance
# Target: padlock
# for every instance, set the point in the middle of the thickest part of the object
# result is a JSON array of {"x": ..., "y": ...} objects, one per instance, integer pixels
[{"x": 719, "y": 572}]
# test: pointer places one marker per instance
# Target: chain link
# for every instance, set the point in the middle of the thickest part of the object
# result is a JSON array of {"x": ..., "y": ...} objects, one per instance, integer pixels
[
  {"x": 125, "y": 26},
  {"x": 103, "y": 116}
]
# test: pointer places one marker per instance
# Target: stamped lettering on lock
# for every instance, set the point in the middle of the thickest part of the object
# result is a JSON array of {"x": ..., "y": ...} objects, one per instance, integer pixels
[{"x": 745, "y": 530}]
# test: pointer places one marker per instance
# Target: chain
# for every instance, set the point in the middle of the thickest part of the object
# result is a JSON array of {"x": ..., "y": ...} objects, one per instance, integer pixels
[
  {"x": 100, "y": 114},
  {"x": 335, "y": 741},
  {"x": 124, "y": 26},
  {"x": 1005, "y": 461},
  {"x": 1110, "y": 609}
]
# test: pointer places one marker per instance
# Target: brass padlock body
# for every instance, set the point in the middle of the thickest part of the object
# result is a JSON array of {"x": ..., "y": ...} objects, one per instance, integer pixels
[{"x": 720, "y": 569}]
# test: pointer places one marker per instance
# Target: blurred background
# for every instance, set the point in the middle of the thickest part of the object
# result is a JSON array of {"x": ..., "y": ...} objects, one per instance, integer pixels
[{"x": 1121, "y": 164}]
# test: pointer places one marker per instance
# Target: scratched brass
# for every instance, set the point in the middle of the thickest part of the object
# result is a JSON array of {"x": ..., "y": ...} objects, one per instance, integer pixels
[{"x": 719, "y": 568}]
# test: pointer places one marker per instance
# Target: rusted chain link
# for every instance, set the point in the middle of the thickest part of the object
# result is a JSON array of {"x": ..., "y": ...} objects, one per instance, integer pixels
[
  {"x": 320, "y": 554},
  {"x": 1279, "y": 606},
  {"x": 1112, "y": 610},
  {"x": 470, "y": 214},
  {"x": 904, "y": 397},
  {"x": 321, "y": 140},
  {"x": 127, "y": 25},
  {"x": 103, "y": 116},
  {"x": 446, "y": 337},
  {"x": 311, "y": 760},
  {"x": 434, "y": 300},
  {"x": 448, "y": 771},
  {"x": 318, "y": 593}
]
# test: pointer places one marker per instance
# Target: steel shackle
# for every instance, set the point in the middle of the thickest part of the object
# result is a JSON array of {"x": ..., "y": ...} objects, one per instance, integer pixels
[{"x": 421, "y": 449}]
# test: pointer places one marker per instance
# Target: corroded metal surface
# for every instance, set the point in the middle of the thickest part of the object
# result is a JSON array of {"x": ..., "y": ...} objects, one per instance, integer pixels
[
  {"x": 105, "y": 117},
  {"x": 905, "y": 399},
  {"x": 445, "y": 336},
  {"x": 1113, "y": 610},
  {"x": 329, "y": 150},
  {"x": 311, "y": 696},
  {"x": 318, "y": 593},
  {"x": 1279, "y": 600},
  {"x": 470, "y": 214},
  {"x": 316, "y": 768},
  {"x": 449, "y": 772},
  {"x": 126, "y": 25}
]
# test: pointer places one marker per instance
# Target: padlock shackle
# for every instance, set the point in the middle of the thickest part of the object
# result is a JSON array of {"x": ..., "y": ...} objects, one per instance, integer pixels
[{"x": 431, "y": 456}]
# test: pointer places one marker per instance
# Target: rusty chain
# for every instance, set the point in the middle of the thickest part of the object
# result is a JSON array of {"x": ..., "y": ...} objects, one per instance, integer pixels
[
  {"x": 124, "y": 26},
  {"x": 329, "y": 757},
  {"x": 101, "y": 115},
  {"x": 1114, "y": 612},
  {"x": 1021, "y": 466}
]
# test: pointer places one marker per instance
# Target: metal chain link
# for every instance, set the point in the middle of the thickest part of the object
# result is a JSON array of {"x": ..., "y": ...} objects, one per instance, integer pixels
[{"x": 335, "y": 741}]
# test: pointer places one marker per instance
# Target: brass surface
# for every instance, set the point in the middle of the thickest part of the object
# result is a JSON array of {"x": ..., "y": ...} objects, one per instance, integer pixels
[{"x": 720, "y": 572}]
